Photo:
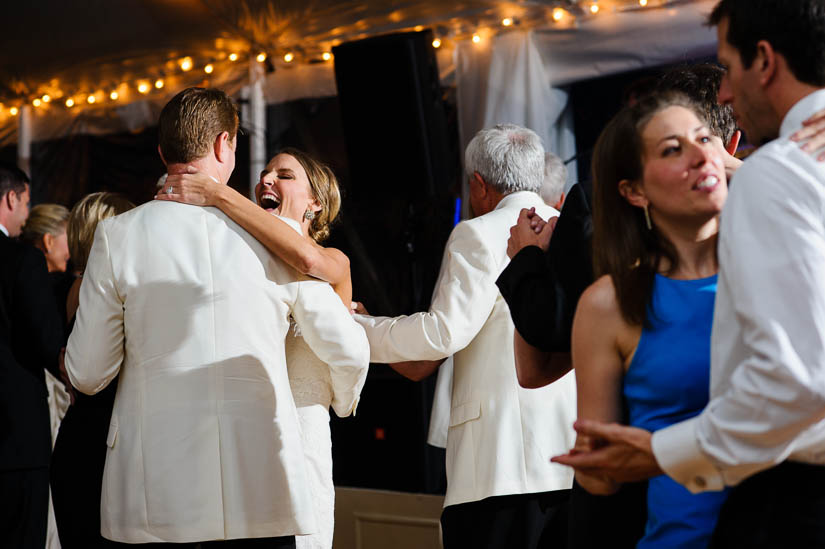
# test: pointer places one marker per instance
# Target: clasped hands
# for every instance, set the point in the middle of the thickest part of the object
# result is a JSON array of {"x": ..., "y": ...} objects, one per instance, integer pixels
[
  {"x": 530, "y": 230},
  {"x": 611, "y": 453}
]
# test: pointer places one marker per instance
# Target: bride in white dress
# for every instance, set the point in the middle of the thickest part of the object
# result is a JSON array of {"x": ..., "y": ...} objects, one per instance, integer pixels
[{"x": 298, "y": 198}]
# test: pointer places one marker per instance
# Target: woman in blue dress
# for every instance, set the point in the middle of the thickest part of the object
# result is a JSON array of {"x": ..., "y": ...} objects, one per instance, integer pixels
[{"x": 641, "y": 336}]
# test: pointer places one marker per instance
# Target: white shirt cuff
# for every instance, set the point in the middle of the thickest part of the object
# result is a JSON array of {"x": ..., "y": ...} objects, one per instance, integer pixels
[{"x": 677, "y": 450}]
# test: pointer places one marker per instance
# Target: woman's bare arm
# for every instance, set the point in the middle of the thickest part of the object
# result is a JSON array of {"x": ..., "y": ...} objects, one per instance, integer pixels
[
  {"x": 536, "y": 368},
  {"x": 599, "y": 365}
]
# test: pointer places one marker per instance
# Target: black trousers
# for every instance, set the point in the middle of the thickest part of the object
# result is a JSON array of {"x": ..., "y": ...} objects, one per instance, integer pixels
[
  {"x": 781, "y": 507},
  {"x": 285, "y": 542},
  {"x": 24, "y": 508},
  {"x": 528, "y": 521}
]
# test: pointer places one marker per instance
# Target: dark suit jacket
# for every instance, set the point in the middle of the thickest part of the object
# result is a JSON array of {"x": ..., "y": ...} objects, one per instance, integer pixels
[
  {"x": 31, "y": 335},
  {"x": 543, "y": 289}
]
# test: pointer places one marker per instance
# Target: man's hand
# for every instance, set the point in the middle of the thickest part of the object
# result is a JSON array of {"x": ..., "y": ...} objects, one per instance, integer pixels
[
  {"x": 617, "y": 453},
  {"x": 357, "y": 308},
  {"x": 813, "y": 134},
  {"x": 530, "y": 230},
  {"x": 64, "y": 375}
]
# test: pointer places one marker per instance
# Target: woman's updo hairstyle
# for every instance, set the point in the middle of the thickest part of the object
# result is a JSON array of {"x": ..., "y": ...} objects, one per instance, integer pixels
[{"x": 325, "y": 190}]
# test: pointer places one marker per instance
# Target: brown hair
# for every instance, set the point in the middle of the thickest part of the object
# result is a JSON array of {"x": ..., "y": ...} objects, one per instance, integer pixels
[
  {"x": 623, "y": 246},
  {"x": 325, "y": 190},
  {"x": 192, "y": 120},
  {"x": 44, "y": 219},
  {"x": 83, "y": 220}
]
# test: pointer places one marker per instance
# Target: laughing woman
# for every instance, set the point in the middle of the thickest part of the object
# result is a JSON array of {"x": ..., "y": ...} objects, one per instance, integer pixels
[
  {"x": 641, "y": 334},
  {"x": 298, "y": 198}
]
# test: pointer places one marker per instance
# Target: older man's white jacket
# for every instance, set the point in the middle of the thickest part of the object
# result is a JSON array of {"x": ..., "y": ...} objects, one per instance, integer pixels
[
  {"x": 204, "y": 440},
  {"x": 501, "y": 436}
]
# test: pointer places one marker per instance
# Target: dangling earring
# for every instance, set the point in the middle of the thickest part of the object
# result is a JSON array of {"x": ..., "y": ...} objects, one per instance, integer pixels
[
  {"x": 309, "y": 215},
  {"x": 647, "y": 218}
]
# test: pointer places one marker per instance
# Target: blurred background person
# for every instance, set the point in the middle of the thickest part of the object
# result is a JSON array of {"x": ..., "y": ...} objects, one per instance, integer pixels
[
  {"x": 80, "y": 449},
  {"x": 555, "y": 176},
  {"x": 45, "y": 229},
  {"x": 31, "y": 336}
]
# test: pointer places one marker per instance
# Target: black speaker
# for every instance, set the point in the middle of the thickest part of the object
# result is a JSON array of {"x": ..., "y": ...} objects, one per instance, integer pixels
[{"x": 393, "y": 115}]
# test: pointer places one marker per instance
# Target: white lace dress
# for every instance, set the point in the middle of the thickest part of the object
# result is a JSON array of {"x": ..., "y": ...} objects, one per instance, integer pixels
[{"x": 312, "y": 390}]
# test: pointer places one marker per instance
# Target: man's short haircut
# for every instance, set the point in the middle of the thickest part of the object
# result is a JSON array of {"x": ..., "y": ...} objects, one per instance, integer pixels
[
  {"x": 12, "y": 178},
  {"x": 192, "y": 120},
  {"x": 701, "y": 83},
  {"x": 794, "y": 28},
  {"x": 508, "y": 157},
  {"x": 555, "y": 176}
]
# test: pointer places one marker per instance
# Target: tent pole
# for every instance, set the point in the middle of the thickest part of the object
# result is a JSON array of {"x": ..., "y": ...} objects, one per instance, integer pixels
[
  {"x": 257, "y": 124},
  {"x": 24, "y": 139}
]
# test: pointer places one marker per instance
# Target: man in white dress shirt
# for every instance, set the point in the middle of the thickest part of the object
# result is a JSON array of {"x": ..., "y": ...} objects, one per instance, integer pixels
[
  {"x": 501, "y": 489},
  {"x": 763, "y": 430},
  {"x": 192, "y": 312}
]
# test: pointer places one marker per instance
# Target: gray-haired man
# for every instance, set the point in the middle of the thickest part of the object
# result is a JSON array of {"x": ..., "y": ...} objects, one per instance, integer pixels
[{"x": 501, "y": 490}]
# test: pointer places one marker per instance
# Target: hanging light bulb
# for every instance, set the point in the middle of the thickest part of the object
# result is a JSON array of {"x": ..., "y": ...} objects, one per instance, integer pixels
[
  {"x": 476, "y": 39},
  {"x": 159, "y": 83},
  {"x": 437, "y": 43},
  {"x": 208, "y": 68},
  {"x": 114, "y": 95},
  {"x": 46, "y": 98},
  {"x": 261, "y": 57},
  {"x": 36, "y": 102},
  {"x": 558, "y": 14},
  {"x": 186, "y": 64},
  {"x": 91, "y": 99},
  {"x": 326, "y": 56},
  {"x": 233, "y": 56},
  {"x": 13, "y": 111},
  {"x": 143, "y": 87},
  {"x": 289, "y": 56},
  {"x": 594, "y": 8},
  {"x": 70, "y": 102},
  {"x": 507, "y": 21},
  {"x": 643, "y": 3}
]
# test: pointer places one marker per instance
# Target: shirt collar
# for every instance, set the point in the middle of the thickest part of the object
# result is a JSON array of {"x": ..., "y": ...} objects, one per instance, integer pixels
[
  {"x": 515, "y": 197},
  {"x": 4, "y": 230},
  {"x": 291, "y": 222},
  {"x": 801, "y": 111}
]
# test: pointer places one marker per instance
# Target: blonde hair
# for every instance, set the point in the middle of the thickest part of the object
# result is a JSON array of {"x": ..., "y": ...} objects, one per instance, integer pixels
[
  {"x": 44, "y": 219},
  {"x": 325, "y": 190},
  {"x": 83, "y": 221}
]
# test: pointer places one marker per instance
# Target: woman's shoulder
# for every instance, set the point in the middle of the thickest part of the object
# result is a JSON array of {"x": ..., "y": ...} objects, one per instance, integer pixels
[{"x": 600, "y": 297}]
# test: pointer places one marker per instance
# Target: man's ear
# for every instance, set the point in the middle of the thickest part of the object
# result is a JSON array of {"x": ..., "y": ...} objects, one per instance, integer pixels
[
  {"x": 765, "y": 62},
  {"x": 481, "y": 186},
  {"x": 162, "y": 159},
  {"x": 223, "y": 146},
  {"x": 560, "y": 202},
  {"x": 632, "y": 192}
]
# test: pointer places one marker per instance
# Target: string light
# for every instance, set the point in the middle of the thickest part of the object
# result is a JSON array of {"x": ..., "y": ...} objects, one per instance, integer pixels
[
  {"x": 326, "y": 56},
  {"x": 476, "y": 39},
  {"x": 233, "y": 56},
  {"x": 643, "y": 3},
  {"x": 558, "y": 14},
  {"x": 186, "y": 64},
  {"x": 437, "y": 43},
  {"x": 70, "y": 102},
  {"x": 507, "y": 21},
  {"x": 208, "y": 68},
  {"x": 114, "y": 95},
  {"x": 46, "y": 98},
  {"x": 13, "y": 111},
  {"x": 91, "y": 99},
  {"x": 159, "y": 83},
  {"x": 594, "y": 8},
  {"x": 36, "y": 102},
  {"x": 289, "y": 56},
  {"x": 261, "y": 57},
  {"x": 143, "y": 87}
]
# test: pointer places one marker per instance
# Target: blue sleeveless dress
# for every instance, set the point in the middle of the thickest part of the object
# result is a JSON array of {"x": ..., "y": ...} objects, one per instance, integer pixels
[{"x": 668, "y": 381}]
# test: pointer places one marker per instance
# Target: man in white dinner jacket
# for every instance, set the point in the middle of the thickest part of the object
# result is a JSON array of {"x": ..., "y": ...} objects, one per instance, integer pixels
[
  {"x": 501, "y": 489},
  {"x": 192, "y": 311}
]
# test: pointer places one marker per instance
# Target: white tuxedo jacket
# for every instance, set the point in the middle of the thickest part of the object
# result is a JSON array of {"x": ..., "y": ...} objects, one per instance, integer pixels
[
  {"x": 500, "y": 436},
  {"x": 204, "y": 440}
]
